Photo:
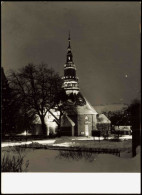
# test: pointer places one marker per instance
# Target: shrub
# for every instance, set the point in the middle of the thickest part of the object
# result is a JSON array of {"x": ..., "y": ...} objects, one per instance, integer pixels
[
  {"x": 14, "y": 163},
  {"x": 36, "y": 145},
  {"x": 104, "y": 129}
]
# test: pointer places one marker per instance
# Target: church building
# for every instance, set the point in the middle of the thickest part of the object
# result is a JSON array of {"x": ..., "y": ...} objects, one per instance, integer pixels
[{"x": 85, "y": 120}]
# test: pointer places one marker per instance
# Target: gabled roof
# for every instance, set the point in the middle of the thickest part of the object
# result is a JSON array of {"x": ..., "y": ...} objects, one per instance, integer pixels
[{"x": 86, "y": 109}]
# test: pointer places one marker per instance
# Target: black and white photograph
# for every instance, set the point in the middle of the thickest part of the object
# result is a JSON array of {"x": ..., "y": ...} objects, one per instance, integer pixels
[{"x": 71, "y": 87}]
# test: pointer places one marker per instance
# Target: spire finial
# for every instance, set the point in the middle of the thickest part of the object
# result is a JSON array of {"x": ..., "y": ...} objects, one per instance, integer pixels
[
  {"x": 69, "y": 36},
  {"x": 69, "y": 39}
]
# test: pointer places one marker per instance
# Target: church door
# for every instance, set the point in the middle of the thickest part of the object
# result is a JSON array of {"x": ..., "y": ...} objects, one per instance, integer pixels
[{"x": 86, "y": 130}]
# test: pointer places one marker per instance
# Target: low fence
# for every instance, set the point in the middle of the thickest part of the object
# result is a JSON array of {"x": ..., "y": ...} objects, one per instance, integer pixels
[{"x": 93, "y": 150}]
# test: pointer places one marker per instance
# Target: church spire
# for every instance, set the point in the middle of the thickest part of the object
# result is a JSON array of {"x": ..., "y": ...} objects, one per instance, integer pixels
[
  {"x": 70, "y": 79},
  {"x": 69, "y": 53},
  {"x": 69, "y": 39}
]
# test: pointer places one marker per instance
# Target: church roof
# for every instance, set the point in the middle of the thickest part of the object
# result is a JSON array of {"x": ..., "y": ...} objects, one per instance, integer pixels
[
  {"x": 81, "y": 105},
  {"x": 86, "y": 109}
]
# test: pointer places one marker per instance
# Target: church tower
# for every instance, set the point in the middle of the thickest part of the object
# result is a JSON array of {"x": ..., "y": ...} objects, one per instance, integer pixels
[
  {"x": 82, "y": 121},
  {"x": 70, "y": 84}
]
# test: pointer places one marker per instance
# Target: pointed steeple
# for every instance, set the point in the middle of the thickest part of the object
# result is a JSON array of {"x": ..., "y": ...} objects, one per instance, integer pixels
[
  {"x": 69, "y": 53},
  {"x": 70, "y": 79},
  {"x": 69, "y": 39}
]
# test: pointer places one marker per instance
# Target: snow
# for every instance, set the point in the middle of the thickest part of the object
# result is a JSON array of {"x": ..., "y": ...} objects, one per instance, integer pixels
[
  {"x": 42, "y": 160},
  {"x": 65, "y": 144},
  {"x": 86, "y": 109},
  {"x": 88, "y": 138},
  {"x": 126, "y": 137},
  {"x": 24, "y": 133},
  {"x": 15, "y": 144},
  {"x": 48, "y": 142},
  {"x": 45, "y": 160},
  {"x": 63, "y": 141}
]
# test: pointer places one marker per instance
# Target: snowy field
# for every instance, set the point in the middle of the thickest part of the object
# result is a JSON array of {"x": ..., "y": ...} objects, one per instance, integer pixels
[{"x": 44, "y": 160}]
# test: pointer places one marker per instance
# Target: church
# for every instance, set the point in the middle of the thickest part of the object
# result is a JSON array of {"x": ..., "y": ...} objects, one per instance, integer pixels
[{"x": 85, "y": 120}]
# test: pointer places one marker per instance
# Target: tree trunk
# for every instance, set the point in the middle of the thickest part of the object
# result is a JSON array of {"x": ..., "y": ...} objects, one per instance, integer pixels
[
  {"x": 59, "y": 125},
  {"x": 44, "y": 129},
  {"x": 59, "y": 130}
]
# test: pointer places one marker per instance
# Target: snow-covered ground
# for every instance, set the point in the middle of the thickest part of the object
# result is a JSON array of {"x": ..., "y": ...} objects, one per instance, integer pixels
[
  {"x": 42, "y": 160},
  {"x": 63, "y": 141},
  {"x": 102, "y": 138},
  {"x": 47, "y": 142}
]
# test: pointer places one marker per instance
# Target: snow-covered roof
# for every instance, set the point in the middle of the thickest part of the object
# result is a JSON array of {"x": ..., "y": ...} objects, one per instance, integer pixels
[
  {"x": 101, "y": 118},
  {"x": 86, "y": 109}
]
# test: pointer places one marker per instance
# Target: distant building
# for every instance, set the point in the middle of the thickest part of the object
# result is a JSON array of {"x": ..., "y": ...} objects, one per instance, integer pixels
[{"x": 124, "y": 130}]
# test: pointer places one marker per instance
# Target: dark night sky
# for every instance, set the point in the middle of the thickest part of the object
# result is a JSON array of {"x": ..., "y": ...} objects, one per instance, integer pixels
[{"x": 105, "y": 40}]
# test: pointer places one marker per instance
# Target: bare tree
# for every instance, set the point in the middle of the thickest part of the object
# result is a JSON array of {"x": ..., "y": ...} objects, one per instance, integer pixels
[{"x": 37, "y": 88}]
